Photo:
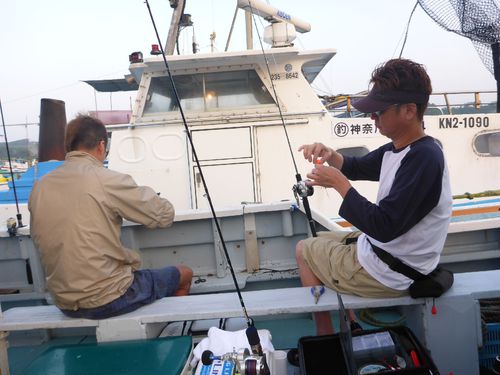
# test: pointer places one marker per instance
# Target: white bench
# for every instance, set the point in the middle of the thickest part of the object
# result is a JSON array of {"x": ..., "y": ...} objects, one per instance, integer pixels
[{"x": 146, "y": 321}]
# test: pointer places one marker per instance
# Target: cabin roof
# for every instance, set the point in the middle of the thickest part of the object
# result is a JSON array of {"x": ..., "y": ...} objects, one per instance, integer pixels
[{"x": 312, "y": 61}]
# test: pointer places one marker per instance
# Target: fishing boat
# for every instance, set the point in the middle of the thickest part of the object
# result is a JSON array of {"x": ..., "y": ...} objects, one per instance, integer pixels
[
  {"x": 248, "y": 112},
  {"x": 4, "y": 182}
]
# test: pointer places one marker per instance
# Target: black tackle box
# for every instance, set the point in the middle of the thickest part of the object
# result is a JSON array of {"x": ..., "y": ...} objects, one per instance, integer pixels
[{"x": 385, "y": 351}]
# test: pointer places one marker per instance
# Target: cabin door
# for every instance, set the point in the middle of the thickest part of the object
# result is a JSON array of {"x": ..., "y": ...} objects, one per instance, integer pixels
[
  {"x": 228, "y": 184},
  {"x": 226, "y": 159}
]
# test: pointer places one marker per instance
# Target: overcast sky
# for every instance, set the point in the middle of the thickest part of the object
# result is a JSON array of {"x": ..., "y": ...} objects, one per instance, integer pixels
[{"x": 48, "y": 47}]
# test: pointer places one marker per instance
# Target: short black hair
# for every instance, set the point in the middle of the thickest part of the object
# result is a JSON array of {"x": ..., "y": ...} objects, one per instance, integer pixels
[{"x": 85, "y": 132}]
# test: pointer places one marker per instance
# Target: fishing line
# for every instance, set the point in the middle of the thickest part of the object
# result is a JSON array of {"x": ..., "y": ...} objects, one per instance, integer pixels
[
  {"x": 19, "y": 216},
  {"x": 300, "y": 188},
  {"x": 305, "y": 200},
  {"x": 407, "y": 28},
  {"x": 177, "y": 98},
  {"x": 274, "y": 90}
]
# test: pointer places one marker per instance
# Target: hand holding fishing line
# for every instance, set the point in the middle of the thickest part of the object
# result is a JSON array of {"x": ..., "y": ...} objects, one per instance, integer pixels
[
  {"x": 320, "y": 154},
  {"x": 329, "y": 177},
  {"x": 316, "y": 152}
]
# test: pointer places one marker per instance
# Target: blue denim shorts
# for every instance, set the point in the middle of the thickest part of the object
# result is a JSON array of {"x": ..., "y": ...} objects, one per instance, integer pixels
[{"x": 148, "y": 286}]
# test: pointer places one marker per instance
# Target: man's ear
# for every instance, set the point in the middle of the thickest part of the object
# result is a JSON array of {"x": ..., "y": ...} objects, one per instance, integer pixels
[{"x": 410, "y": 111}]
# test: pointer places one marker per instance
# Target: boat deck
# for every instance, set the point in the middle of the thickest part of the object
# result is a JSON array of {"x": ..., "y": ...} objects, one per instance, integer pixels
[{"x": 283, "y": 338}]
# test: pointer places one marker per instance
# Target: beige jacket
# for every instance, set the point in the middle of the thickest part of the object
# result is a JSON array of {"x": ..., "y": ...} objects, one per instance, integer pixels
[{"x": 76, "y": 216}]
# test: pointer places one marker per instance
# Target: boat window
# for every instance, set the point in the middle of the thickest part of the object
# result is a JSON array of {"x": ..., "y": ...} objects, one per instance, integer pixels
[
  {"x": 487, "y": 144},
  {"x": 207, "y": 91},
  {"x": 353, "y": 151}
]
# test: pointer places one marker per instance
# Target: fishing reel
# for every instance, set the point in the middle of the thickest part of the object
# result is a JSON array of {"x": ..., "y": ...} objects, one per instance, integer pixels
[
  {"x": 244, "y": 362},
  {"x": 253, "y": 364},
  {"x": 11, "y": 226},
  {"x": 300, "y": 189}
]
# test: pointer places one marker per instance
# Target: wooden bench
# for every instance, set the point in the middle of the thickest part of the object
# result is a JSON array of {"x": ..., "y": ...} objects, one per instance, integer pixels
[{"x": 457, "y": 308}]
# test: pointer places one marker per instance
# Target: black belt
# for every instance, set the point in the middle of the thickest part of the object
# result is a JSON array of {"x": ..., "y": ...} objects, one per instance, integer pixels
[{"x": 396, "y": 264}]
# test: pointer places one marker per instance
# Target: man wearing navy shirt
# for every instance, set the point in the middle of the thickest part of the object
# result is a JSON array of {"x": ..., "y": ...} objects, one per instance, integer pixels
[{"x": 412, "y": 211}]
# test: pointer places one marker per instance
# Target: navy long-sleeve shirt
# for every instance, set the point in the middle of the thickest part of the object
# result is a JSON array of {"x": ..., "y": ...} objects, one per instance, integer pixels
[{"x": 411, "y": 215}]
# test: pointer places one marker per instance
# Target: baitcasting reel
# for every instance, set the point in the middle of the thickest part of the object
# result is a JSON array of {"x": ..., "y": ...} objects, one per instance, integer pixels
[{"x": 244, "y": 362}]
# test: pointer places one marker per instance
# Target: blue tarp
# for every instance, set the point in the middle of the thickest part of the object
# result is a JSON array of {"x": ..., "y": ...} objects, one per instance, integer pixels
[{"x": 25, "y": 183}]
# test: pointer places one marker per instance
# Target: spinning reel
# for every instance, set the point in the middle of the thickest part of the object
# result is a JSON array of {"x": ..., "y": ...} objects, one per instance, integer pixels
[
  {"x": 11, "y": 226},
  {"x": 301, "y": 190}
]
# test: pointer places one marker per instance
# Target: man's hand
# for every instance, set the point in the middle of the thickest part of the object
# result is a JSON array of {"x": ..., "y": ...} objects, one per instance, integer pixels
[
  {"x": 325, "y": 176},
  {"x": 319, "y": 153}
]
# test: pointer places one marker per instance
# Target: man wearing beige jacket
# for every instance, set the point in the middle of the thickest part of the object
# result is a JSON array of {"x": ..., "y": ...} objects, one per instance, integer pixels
[{"x": 76, "y": 216}]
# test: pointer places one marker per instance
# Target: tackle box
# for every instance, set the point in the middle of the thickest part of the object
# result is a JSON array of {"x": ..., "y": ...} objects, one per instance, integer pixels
[{"x": 391, "y": 351}]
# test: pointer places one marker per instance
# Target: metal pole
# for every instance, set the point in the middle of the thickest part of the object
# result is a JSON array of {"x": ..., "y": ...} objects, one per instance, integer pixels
[
  {"x": 248, "y": 23},
  {"x": 231, "y": 29},
  {"x": 495, "y": 49},
  {"x": 174, "y": 28}
]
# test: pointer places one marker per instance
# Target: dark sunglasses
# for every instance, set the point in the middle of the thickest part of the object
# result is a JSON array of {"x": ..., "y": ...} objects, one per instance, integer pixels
[{"x": 381, "y": 112}]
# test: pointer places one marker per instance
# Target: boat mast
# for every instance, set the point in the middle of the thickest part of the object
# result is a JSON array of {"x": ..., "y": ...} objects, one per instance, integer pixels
[
  {"x": 178, "y": 6},
  {"x": 249, "y": 29}
]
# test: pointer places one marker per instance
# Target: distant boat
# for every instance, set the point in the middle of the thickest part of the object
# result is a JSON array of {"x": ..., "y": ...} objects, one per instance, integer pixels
[{"x": 17, "y": 167}]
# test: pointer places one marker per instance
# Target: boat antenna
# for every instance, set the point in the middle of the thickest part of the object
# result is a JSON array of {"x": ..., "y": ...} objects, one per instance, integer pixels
[
  {"x": 188, "y": 133},
  {"x": 19, "y": 216},
  {"x": 300, "y": 189}
]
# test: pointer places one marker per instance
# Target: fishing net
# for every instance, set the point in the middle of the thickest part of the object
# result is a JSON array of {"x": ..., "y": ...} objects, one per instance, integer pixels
[{"x": 478, "y": 20}]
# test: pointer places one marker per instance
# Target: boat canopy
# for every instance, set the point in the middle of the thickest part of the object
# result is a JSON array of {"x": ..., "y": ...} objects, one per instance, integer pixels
[{"x": 113, "y": 85}]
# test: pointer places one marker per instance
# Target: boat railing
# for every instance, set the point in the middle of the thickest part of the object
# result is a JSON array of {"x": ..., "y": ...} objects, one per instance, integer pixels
[{"x": 441, "y": 103}]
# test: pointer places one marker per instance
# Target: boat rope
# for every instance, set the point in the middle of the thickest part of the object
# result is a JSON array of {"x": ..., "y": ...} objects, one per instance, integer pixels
[
  {"x": 195, "y": 155},
  {"x": 19, "y": 216},
  {"x": 486, "y": 193},
  {"x": 300, "y": 189},
  {"x": 368, "y": 317}
]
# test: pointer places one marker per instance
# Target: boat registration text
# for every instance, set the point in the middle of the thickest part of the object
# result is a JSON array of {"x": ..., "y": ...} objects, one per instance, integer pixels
[{"x": 464, "y": 122}]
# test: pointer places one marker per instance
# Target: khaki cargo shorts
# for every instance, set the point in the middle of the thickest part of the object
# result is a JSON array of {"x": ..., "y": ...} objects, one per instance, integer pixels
[{"x": 336, "y": 265}]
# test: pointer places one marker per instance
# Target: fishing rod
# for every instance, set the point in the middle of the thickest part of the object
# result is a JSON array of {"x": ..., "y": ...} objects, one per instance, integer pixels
[
  {"x": 11, "y": 226},
  {"x": 300, "y": 189},
  {"x": 188, "y": 133}
]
